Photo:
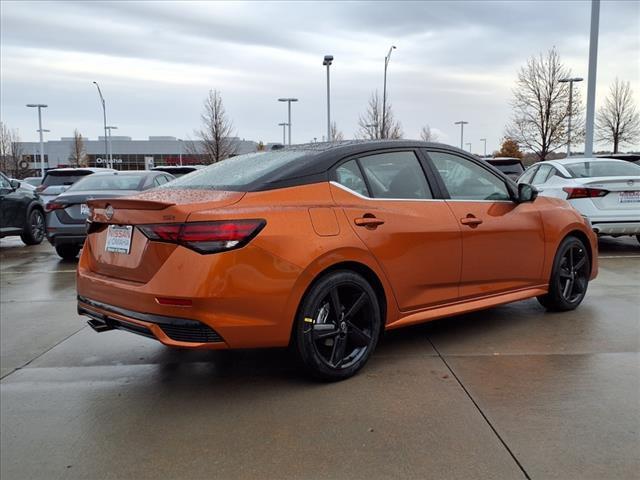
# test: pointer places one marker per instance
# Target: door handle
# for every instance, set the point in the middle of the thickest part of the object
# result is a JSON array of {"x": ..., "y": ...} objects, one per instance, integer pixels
[
  {"x": 471, "y": 221},
  {"x": 368, "y": 221}
]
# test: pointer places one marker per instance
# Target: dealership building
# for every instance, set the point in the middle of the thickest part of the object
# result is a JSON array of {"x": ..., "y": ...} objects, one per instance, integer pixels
[{"x": 126, "y": 153}]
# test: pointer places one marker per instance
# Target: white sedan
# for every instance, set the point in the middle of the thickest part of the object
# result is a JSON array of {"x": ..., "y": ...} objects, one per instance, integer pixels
[{"x": 605, "y": 191}]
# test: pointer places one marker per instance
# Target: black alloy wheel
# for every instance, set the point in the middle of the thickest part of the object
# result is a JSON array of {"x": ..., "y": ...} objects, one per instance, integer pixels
[
  {"x": 338, "y": 325},
  {"x": 34, "y": 228},
  {"x": 570, "y": 276}
]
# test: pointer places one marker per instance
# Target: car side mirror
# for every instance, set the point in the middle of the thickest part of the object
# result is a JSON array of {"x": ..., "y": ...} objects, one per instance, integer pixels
[
  {"x": 15, "y": 184},
  {"x": 526, "y": 193}
]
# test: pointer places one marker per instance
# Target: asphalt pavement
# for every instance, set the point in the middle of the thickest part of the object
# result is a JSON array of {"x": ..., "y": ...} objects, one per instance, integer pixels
[{"x": 507, "y": 393}]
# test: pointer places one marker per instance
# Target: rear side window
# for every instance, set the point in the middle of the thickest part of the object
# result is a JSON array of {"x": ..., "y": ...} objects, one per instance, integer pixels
[
  {"x": 467, "y": 181},
  {"x": 349, "y": 175},
  {"x": 395, "y": 175}
]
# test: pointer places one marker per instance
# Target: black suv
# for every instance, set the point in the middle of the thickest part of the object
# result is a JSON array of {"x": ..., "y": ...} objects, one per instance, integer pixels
[{"x": 21, "y": 212}]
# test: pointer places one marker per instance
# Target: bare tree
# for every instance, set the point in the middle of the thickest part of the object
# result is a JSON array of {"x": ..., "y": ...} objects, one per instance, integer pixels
[
  {"x": 618, "y": 120},
  {"x": 370, "y": 122},
  {"x": 336, "y": 135},
  {"x": 78, "y": 155},
  {"x": 541, "y": 106},
  {"x": 427, "y": 135},
  {"x": 10, "y": 150},
  {"x": 216, "y": 134}
]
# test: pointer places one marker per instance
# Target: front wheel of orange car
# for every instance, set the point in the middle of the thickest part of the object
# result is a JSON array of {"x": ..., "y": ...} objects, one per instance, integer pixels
[
  {"x": 338, "y": 325},
  {"x": 569, "y": 276}
]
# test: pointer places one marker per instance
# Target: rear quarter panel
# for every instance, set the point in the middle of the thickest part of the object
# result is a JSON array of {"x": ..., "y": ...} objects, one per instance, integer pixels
[{"x": 300, "y": 232}]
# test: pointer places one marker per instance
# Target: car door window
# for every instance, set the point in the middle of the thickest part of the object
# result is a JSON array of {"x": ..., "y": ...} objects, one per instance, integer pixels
[
  {"x": 4, "y": 183},
  {"x": 349, "y": 175},
  {"x": 542, "y": 174},
  {"x": 159, "y": 180},
  {"x": 465, "y": 180},
  {"x": 528, "y": 174},
  {"x": 396, "y": 175}
]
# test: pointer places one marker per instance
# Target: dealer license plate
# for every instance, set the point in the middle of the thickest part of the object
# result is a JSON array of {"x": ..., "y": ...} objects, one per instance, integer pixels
[
  {"x": 119, "y": 239},
  {"x": 629, "y": 197}
]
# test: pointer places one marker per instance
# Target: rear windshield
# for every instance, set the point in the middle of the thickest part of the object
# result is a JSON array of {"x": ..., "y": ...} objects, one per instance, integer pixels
[
  {"x": 509, "y": 168},
  {"x": 602, "y": 168},
  {"x": 237, "y": 173},
  {"x": 64, "y": 178},
  {"x": 109, "y": 182}
]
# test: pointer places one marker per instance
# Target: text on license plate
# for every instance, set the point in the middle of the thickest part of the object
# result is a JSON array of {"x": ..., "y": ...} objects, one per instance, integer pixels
[
  {"x": 629, "y": 197},
  {"x": 119, "y": 238}
]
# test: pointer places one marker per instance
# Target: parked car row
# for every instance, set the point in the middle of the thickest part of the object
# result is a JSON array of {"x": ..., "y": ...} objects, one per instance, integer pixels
[{"x": 57, "y": 209}]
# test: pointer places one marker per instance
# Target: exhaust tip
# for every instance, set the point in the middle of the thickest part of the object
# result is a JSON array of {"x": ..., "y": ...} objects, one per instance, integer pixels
[{"x": 99, "y": 325}]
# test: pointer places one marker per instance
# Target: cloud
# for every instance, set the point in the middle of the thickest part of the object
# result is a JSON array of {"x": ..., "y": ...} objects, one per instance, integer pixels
[{"x": 156, "y": 60}]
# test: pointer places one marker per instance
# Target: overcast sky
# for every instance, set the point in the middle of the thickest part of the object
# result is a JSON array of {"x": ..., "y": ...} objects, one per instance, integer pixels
[{"x": 155, "y": 62}]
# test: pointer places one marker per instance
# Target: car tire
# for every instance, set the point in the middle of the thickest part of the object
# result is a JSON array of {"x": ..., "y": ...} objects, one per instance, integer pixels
[
  {"x": 569, "y": 276},
  {"x": 67, "y": 252},
  {"x": 337, "y": 326},
  {"x": 33, "y": 233}
]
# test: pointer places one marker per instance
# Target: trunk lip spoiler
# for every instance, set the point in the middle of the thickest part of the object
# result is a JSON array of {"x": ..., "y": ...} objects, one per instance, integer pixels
[{"x": 129, "y": 204}]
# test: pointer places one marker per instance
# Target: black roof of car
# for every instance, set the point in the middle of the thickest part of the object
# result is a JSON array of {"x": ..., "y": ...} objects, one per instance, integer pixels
[{"x": 319, "y": 158}]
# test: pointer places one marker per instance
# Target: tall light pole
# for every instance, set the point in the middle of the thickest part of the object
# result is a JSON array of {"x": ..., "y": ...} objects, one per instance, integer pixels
[
  {"x": 327, "y": 62},
  {"x": 180, "y": 145},
  {"x": 591, "y": 84},
  {"x": 284, "y": 131},
  {"x": 40, "y": 106},
  {"x": 288, "y": 100},
  {"x": 484, "y": 140},
  {"x": 384, "y": 93},
  {"x": 110, "y": 164},
  {"x": 469, "y": 145},
  {"x": 462, "y": 123},
  {"x": 570, "y": 82},
  {"x": 104, "y": 116}
]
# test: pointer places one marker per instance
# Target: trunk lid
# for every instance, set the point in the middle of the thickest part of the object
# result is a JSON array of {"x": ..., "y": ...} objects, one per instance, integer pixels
[
  {"x": 619, "y": 197},
  {"x": 156, "y": 206}
]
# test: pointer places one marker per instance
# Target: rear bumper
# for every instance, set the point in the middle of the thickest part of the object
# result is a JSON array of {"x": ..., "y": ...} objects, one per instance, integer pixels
[
  {"x": 59, "y": 233},
  {"x": 171, "y": 331},
  {"x": 616, "y": 227}
]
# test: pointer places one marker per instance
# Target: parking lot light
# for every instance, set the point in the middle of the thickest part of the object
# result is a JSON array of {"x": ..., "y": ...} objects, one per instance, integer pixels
[
  {"x": 328, "y": 59},
  {"x": 40, "y": 106},
  {"x": 484, "y": 140},
  {"x": 570, "y": 82},
  {"x": 288, "y": 100},
  {"x": 384, "y": 92},
  {"x": 462, "y": 123},
  {"x": 104, "y": 117},
  {"x": 284, "y": 126}
]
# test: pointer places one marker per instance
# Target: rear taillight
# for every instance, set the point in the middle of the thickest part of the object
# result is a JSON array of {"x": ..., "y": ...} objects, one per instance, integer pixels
[
  {"x": 583, "y": 192},
  {"x": 50, "y": 206},
  {"x": 205, "y": 237}
]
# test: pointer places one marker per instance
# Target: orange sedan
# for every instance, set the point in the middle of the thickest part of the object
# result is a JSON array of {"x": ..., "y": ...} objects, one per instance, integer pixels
[{"x": 325, "y": 246}]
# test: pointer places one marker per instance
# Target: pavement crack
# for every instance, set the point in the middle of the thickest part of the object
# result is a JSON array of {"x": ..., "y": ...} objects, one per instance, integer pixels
[
  {"x": 486, "y": 419},
  {"x": 42, "y": 353}
]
